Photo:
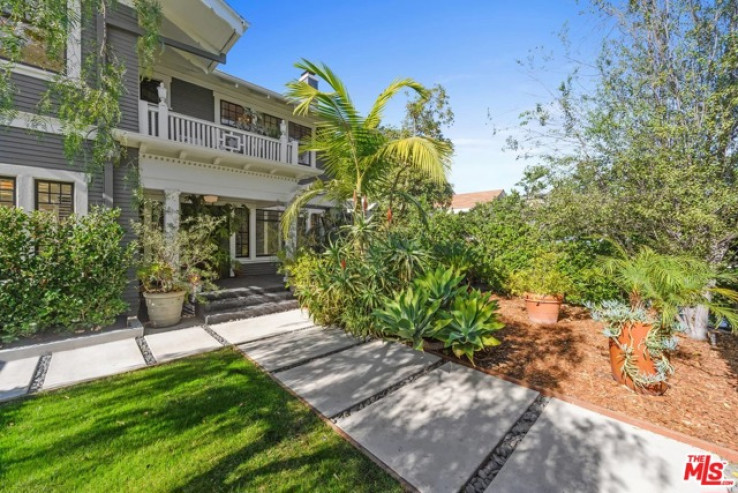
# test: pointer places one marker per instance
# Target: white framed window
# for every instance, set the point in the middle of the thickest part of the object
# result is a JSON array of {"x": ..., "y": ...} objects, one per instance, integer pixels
[
  {"x": 61, "y": 191},
  {"x": 36, "y": 63}
]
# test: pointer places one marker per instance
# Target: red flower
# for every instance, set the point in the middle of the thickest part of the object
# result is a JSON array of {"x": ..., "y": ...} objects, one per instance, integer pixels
[
  {"x": 389, "y": 215},
  {"x": 343, "y": 264}
]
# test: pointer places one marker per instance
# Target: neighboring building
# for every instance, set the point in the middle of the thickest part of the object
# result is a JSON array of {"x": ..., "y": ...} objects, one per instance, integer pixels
[
  {"x": 462, "y": 202},
  {"x": 189, "y": 130}
]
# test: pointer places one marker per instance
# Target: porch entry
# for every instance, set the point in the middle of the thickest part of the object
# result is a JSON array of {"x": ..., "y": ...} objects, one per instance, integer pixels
[{"x": 249, "y": 239}]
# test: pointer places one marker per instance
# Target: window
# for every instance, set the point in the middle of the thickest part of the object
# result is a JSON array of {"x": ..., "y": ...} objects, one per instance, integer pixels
[
  {"x": 7, "y": 191},
  {"x": 231, "y": 114},
  {"x": 242, "y": 233},
  {"x": 150, "y": 90},
  {"x": 271, "y": 125},
  {"x": 301, "y": 133},
  {"x": 55, "y": 197},
  {"x": 267, "y": 232},
  {"x": 33, "y": 50}
]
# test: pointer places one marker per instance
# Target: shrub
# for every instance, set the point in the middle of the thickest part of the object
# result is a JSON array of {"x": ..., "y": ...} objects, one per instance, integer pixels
[
  {"x": 543, "y": 277},
  {"x": 60, "y": 275},
  {"x": 181, "y": 260}
]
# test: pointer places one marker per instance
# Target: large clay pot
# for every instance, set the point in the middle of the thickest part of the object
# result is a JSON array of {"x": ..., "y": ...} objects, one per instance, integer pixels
[
  {"x": 165, "y": 309},
  {"x": 543, "y": 309},
  {"x": 634, "y": 335}
]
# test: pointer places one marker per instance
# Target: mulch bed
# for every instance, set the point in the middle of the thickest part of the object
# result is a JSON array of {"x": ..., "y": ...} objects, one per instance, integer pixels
[{"x": 571, "y": 358}]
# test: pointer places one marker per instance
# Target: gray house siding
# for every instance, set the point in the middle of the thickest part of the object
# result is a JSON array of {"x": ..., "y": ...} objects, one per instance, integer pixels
[
  {"x": 123, "y": 47},
  {"x": 192, "y": 100}
]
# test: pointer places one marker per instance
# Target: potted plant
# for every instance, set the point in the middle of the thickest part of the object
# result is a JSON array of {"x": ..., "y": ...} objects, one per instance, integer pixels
[
  {"x": 173, "y": 264},
  {"x": 543, "y": 286},
  {"x": 642, "y": 332}
]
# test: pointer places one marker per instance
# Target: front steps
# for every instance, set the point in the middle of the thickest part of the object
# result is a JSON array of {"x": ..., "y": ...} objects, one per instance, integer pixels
[{"x": 226, "y": 305}]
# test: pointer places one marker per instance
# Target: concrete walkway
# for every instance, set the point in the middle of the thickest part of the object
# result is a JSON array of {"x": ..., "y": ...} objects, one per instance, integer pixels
[{"x": 439, "y": 426}]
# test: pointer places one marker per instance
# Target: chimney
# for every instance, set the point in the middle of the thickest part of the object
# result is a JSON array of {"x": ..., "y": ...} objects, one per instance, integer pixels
[{"x": 310, "y": 79}]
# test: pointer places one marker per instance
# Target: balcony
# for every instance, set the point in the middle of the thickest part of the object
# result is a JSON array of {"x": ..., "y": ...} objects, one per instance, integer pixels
[{"x": 155, "y": 120}]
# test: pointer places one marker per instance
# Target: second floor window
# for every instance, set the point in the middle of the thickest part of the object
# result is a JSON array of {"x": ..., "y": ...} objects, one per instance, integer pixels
[
  {"x": 231, "y": 114},
  {"x": 34, "y": 47},
  {"x": 7, "y": 191},
  {"x": 301, "y": 133},
  {"x": 55, "y": 197}
]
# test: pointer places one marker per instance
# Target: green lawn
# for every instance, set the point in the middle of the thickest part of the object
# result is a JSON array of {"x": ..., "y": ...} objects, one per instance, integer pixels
[{"x": 207, "y": 423}]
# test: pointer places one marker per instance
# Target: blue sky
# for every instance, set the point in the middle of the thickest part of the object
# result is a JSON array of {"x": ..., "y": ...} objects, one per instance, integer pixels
[{"x": 471, "y": 47}]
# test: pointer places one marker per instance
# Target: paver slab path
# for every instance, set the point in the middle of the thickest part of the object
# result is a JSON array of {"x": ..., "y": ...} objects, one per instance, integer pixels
[
  {"x": 334, "y": 383},
  {"x": 252, "y": 329},
  {"x": 436, "y": 431},
  {"x": 576, "y": 450},
  {"x": 88, "y": 363},
  {"x": 294, "y": 347},
  {"x": 166, "y": 346},
  {"x": 16, "y": 376}
]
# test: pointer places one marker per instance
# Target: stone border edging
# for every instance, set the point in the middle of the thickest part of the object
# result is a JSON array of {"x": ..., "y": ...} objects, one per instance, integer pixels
[
  {"x": 134, "y": 329},
  {"x": 724, "y": 452}
]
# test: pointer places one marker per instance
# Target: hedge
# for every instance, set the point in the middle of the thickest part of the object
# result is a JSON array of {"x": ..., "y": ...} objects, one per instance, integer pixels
[{"x": 60, "y": 276}]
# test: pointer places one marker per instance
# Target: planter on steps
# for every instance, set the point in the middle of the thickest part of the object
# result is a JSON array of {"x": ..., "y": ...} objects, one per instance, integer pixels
[{"x": 165, "y": 309}]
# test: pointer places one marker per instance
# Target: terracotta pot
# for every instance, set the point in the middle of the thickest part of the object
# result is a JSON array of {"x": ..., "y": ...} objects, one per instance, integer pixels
[
  {"x": 543, "y": 309},
  {"x": 165, "y": 309},
  {"x": 634, "y": 335}
]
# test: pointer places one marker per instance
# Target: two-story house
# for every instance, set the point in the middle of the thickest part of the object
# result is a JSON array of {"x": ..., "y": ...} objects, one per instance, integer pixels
[{"x": 188, "y": 130}]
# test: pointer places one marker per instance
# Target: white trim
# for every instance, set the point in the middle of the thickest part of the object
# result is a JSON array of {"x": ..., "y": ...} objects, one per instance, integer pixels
[
  {"x": 25, "y": 177},
  {"x": 74, "y": 42}
]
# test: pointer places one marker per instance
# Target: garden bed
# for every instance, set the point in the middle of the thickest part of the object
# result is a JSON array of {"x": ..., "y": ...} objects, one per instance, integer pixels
[{"x": 571, "y": 358}]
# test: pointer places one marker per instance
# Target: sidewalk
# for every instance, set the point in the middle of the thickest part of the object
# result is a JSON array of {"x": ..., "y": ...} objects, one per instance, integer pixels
[{"x": 436, "y": 425}]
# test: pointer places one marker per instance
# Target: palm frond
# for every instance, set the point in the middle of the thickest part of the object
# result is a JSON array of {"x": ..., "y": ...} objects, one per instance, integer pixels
[
  {"x": 374, "y": 117},
  {"x": 292, "y": 211},
  {"x": 427, "y": 155}
]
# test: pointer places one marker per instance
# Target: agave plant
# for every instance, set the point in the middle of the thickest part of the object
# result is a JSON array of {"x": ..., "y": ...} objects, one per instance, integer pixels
[
  {"x": 442, "y": 285},
  {"x": 410, "y": 316},
  {"x": 469, "y": 325}
]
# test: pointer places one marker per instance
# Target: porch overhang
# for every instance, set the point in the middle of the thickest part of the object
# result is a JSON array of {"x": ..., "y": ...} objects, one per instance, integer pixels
[
  {"x": 212, "y": 24},
  {"x": 179, "y": 150}
]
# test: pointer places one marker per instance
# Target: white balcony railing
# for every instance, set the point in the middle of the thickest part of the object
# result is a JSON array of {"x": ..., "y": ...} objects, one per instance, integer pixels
[{"x": 157, "y": 121}]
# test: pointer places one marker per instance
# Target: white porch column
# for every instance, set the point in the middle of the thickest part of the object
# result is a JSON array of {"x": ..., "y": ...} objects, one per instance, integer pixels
[
  {"x": 308, "y": 221},
  {"x": 163, "y": 112},
  {"x": 291, "y": 245},
  {"x": 143, "y": 117},
  {"x": 283, "y": 141},
  {"x": 252, "y": 233},
  {"x": 171, "y": 212}
]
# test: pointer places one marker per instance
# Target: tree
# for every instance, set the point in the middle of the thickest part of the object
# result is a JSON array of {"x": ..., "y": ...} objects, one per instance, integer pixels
[
  {"x": 649, "y": 157},
  {"x": 426, "y": 115},
  {"x": 87, "y": 106},
  {"x": 356, "y": 153}
]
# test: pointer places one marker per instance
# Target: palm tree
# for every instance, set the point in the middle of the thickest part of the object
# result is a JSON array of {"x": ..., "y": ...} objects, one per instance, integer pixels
[{"x": 356, "y": 153}]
